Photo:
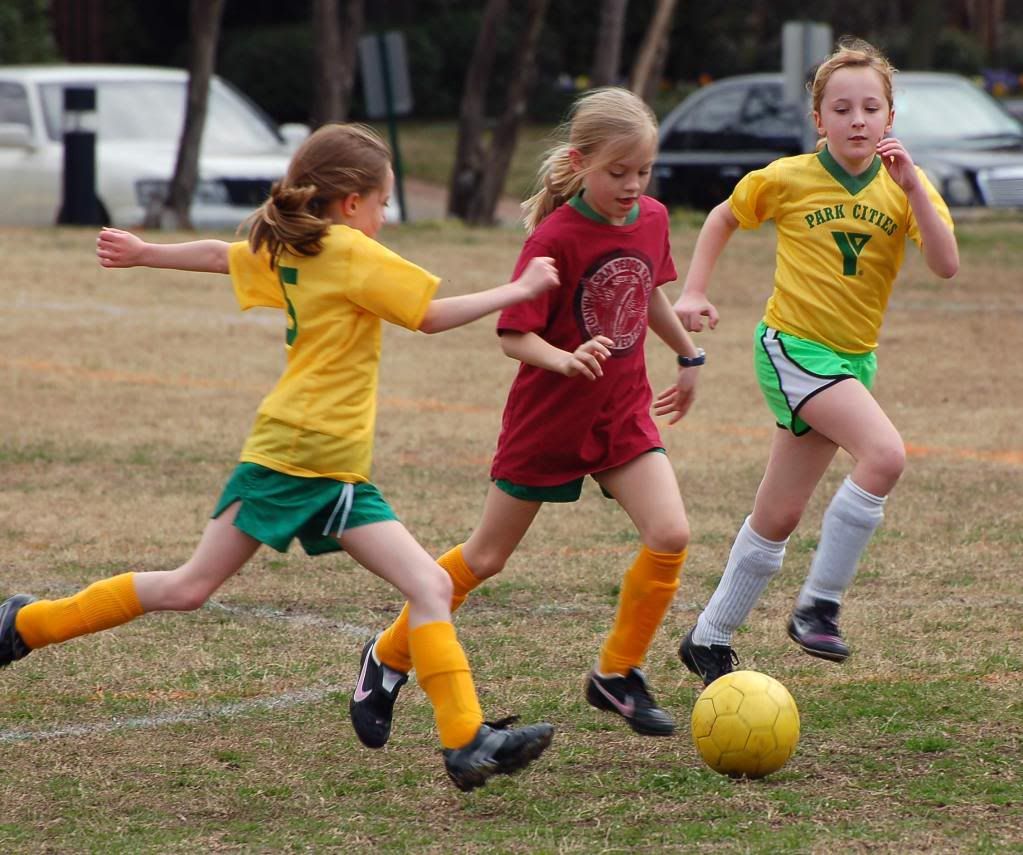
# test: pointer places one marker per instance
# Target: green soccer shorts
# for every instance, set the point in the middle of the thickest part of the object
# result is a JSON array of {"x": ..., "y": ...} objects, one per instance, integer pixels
[
  {"x": 277, "y": 508},
  {"x": 791, "y": 370}
]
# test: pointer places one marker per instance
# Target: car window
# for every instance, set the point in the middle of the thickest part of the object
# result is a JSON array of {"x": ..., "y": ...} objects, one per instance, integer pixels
[
  {"x": 765, "y": 115},
  {"x": 154, "y": 111},
  {"x": 14, "y": 105},
  {"x": 717, "y": 111},
  {"x": 947, "y": 110}
]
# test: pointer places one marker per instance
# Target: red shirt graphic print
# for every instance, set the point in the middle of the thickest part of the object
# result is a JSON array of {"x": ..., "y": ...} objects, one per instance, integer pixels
[
  {"x": 612, "y": 299},
  {"x": 555, "y": 428}
]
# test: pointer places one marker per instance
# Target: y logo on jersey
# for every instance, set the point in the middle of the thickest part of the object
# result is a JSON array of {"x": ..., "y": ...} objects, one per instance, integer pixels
[{"x": 850, "y": 244}]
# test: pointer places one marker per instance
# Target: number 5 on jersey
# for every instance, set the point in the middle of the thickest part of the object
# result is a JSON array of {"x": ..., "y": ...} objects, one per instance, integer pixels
[{"x": 289, "y": 276}]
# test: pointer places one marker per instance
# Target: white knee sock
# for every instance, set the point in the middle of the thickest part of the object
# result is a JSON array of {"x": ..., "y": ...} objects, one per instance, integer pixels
[
  {"x": 849, "y": 523},
  {"x": 751, "y": 564}
]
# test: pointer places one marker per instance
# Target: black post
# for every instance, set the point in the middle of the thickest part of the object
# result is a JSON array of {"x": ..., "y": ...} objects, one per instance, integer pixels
[
  {"x": 80, "y": 206},
  {"x": 392, "y": 125}
]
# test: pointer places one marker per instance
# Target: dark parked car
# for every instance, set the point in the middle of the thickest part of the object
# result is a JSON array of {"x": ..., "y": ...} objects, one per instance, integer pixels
[{"x": 968, "y": 144}]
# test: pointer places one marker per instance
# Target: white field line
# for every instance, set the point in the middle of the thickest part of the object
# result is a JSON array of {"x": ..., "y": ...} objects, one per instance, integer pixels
[
  {"x": 229, "y": 710},
  {"x": 185, "y": 716},
  {"x": 81, "y": 308},
  {"x": 272, "y": 318},
  {"x": 209, "y": 712},
  {"x": 293, "y": 618}
]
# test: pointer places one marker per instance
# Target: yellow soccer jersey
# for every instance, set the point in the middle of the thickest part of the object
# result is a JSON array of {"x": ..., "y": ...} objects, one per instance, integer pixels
[
  {"x": 841, "y": 240},
  {"x": 319, "y": 419}
]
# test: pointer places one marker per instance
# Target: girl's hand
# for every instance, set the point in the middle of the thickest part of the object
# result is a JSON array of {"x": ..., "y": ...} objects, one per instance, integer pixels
[
  {"x": 692, "y": 309},
  {"x": 676, "y": 400},
  {"x": 117, "y": 248},
  {"x": 588, "y": 358},
  {"x": 540, "y": 275},
  {"x": 898, "y": 163}
]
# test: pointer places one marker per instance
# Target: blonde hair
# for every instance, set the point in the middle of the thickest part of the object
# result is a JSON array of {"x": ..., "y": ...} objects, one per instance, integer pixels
[
  {"x": 607, "y": 121},
  {"x": 851, "y": 53},
  {"x": 333, "y": 162}
]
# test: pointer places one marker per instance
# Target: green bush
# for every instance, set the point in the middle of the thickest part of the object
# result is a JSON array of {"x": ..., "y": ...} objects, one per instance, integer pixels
[
  {"x": 273, "y": 66},
  {"x": 959, "y": 52},
  {"x": 25, "y": 32},
  {"x": 954, "y": 51}
]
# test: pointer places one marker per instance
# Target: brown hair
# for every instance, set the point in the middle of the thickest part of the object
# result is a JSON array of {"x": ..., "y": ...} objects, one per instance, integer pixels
[
  {"x": 333, "y": 162},
  {"x": 851, "y": 53},
  {"x": 610, "y": 120}
]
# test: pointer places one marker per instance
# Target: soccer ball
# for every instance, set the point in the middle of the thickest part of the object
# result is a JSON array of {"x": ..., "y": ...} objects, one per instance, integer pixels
[{"x": 745, "y": 723}]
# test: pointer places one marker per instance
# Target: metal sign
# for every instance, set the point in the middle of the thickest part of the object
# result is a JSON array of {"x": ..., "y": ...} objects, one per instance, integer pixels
[
  {"x": 804, "y": 44},
  {"x": 385, "y": 79}
]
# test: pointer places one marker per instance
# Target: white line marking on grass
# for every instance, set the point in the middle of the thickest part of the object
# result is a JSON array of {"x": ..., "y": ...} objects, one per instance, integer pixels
[
  {"x": 298, "y": 619},
  {"x": 197, "y": 714},
  {"x": 209, "y": 713},
  {"x": 262, "y": 317}
]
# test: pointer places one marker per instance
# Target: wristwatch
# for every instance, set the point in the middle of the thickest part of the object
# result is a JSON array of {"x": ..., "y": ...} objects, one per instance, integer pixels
[{"x": 693, "y": 361}]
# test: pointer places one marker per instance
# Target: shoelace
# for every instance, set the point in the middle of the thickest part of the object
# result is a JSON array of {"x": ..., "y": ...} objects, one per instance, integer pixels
[
  {"x": 829, "y": 624},
  {"x": 725, "y": 655},
  {"x": 828, "y": 618},
  {"x": 502, "y": 723},
  {"x": 636, "y": 687}
]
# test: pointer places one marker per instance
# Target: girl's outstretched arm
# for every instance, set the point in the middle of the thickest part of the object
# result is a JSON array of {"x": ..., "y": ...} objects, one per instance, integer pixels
[
  {"x": 693, "y": 306},
  {"x": 117, "y": 248},
  {"x": 449, "y": 312}
]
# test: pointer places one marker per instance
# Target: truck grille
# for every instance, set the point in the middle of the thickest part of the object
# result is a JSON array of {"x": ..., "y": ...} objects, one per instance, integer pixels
[
  {"x": 1002, "y": 188},
  {"x": 247, "y": 192}
]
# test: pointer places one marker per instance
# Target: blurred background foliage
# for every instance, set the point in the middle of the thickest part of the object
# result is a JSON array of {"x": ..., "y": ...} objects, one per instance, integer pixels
[{"x": 265, "y": 48}]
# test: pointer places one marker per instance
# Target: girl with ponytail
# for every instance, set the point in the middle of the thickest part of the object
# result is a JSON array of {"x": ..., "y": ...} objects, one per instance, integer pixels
[{"x": 305, "y": 470}]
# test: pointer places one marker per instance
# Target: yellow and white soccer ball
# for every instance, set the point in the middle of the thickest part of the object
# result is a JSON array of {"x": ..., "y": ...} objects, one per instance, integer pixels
[{"x": 745, "y": 723}]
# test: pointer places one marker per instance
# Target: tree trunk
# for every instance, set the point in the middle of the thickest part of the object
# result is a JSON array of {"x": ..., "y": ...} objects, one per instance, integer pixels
[
  {"x": 607, "y": 54},
  {"x": 469, "y": 154},
  {"x": 644, "y": 70},
  {"x": 335, "y": 48},
  {"x": 483, "y": 206},
  {"x": 986, "y": 20},
  {"x": 660, "y": 60},
  {"x": 926, "y": 24},
  {"x": 204, "y": 26}
]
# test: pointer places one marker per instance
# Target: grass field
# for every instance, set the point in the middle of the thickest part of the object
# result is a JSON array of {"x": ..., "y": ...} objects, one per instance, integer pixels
[{"x": 126, "y": 396}]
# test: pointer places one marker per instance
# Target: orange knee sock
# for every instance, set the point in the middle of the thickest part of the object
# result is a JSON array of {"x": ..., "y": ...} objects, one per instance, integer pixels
[
  {"x": 443, "y": 672},
  {"x": 647, "y": 591},
  {"x": 102, "y": 605},
  {"x": 392, "y": 647}
]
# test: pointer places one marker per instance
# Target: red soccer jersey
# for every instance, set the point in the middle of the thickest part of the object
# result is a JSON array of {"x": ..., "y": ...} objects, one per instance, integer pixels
[{"x": 555, "y": 428}]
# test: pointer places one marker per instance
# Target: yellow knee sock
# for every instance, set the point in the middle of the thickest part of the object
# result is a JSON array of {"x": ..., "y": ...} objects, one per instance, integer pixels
[
  {"x": 443, "y": 672},
  {"x": 102, "y": 605},
  {"x": 392, "y": 647},
  {"x": 647, "y": 591}
]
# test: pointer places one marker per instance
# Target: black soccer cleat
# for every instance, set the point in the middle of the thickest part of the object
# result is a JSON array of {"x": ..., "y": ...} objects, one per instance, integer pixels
[
  {"x": 630, "y": 697},
  {"x": 815, "y": 629},
  {"x": 12, "y": 647},
  {"x": 707, "y": 663},
  {"x": 372, "y": 705},
  {"x": 497, "y": 749}
]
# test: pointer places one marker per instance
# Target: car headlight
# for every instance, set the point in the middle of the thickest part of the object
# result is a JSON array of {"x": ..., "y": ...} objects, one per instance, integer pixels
[
  {"x": 154, "y": 191},
  {"x": 211, "y": 193}
]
